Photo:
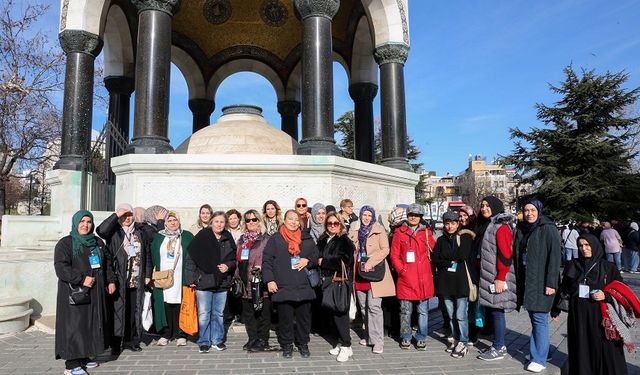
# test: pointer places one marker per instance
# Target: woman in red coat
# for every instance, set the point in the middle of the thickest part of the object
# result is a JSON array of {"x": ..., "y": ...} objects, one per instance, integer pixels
[{"x": 411, "y": 257}]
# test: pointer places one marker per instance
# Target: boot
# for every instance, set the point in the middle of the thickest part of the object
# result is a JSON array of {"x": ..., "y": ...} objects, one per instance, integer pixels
[{"x": 287, "y": 351}]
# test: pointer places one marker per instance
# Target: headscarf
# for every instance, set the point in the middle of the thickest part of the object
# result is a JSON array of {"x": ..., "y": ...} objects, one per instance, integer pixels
[
  {"x": 128, "y": 230},
  {"x": 306, "y": 213},
  {"x": 597, "y": 251},
  {"x": 524, "y": 225},
  {"x": 293, "y": 238},
  {"x": 634, "y": 226},
  {"x": 172, "y": 235},
  {"x": 138, "y": 214},
  {"x": 78, "y": 240},
  {"x": 330, "y": 208},
  {"x": 497, "y": 207},
  {"x": 364, "y": 230},
  {"x": 577, "y": 269},
  {"x": 397, "y": 216},
  {"x": 150, "y": 214},
  {"x": 316, "y": 228}
]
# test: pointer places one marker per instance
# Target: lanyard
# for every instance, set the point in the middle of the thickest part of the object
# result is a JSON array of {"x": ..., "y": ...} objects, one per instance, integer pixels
[{"x": 584, "y": 277}]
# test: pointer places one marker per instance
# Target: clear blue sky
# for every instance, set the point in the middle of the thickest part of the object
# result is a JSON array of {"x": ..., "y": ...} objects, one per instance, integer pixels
[{"x": 476, "y": 68}]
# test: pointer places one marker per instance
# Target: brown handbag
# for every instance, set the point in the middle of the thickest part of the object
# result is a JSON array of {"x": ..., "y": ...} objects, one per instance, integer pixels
[{"x": 164, "y": 279}]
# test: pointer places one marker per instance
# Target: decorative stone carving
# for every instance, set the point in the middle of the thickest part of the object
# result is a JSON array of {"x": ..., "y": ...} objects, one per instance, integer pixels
[
  {"x": 217, "y": 12},
  {"x": 391, "y": 53},
  {"x": 363, "y": 91},
  {"x": 274, "y": 13},
  {"x": 289, "y": 107},
  {"x": 405, "y": 23},
  {"x": 64, "y": 9},
  {"x": 317, "y": 8},
  {"x": 119, "y": 84},
  {"x": 80, "y": 41},
  {"x": 205, "y": 106},
  {"x": 168, "y": 6}
]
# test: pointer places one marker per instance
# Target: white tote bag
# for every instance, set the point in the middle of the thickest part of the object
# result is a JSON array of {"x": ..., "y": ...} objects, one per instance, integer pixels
[{"x": 147, "y": 312}]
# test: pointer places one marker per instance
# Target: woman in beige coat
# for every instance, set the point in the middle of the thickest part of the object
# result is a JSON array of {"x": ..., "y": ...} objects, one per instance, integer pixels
[{"x": 372, "y": 248}]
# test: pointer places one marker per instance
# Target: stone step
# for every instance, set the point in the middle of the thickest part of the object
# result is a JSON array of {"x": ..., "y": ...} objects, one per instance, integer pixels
[
  {"x": 14, "y": 314},
  {"x": 13, "y": 305}
]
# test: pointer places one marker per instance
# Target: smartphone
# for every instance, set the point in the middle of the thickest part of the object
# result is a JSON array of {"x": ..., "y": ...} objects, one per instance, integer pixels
[{"x": 492, "y": 288}]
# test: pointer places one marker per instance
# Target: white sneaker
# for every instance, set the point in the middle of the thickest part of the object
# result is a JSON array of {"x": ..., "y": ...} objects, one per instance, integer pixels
[
  {"x": 336, "y": 350},
  {"x": 363, "y": 342},
  {"x": 535, "y": 367},
  {"x": 162, "y": 342},
  {"x": 181, "y": 342},
  {"x": 345, "y": 353}
]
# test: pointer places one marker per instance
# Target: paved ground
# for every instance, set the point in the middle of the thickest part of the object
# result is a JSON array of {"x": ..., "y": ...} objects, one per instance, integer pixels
[{"x": 31, "y": 352}]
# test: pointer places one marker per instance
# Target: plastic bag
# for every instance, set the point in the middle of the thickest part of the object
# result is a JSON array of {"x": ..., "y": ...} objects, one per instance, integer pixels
[
  {"x": 189, "y": 311},
  {"x": 147, "y": 312}
]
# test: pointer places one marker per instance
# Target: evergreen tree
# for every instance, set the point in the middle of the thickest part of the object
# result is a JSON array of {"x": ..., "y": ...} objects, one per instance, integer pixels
[
  {"x": 344, "y": 126},
  {"x": 580, "y": 168}
]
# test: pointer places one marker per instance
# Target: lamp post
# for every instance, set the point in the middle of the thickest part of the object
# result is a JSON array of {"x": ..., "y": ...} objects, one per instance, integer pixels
[
  {"x": 33, "y": 184},
  {"x": 518, "y": 179}
]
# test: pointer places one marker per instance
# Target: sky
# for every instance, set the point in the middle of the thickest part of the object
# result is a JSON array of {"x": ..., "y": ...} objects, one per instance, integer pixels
[{"x": 475, "y": 69}]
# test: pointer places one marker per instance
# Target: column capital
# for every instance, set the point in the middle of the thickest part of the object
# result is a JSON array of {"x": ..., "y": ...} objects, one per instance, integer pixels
[
  {"x": 363, "y": 91},
  {"x": 119, "y": 84},
  {"x": 317, "y": 8},
  {"x": 80, "y": 41},
  {"x": 204, "y": 106},
  {"x": 289, "y": 107},
  {"x": 391, "y": 53},
  {"x": 170, "y": 7}
]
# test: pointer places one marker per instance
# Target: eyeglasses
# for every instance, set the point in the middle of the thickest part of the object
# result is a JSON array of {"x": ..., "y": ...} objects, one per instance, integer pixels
[
  {"x": 333, "y": 223},
  {"x": 301, "y": 205},
  {"x": 252, "y": 220}
]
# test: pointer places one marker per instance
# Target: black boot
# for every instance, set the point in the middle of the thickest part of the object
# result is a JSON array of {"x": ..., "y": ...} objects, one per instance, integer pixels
[
  {"x": 257, "y": 346},
  {"x": 248, "y": 344},
  {"x": 304, "y": 351},
  {"x": 287, "y": 351}
]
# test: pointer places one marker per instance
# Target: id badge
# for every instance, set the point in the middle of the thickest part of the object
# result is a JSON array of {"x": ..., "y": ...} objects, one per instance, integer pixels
[
  {"x": 244, "y": 254},
  {"x": 583, "y": 291},
  {"x": 294, "y": 261},
  {"x": 363, "y": 256},
  {"x": 94, "y": 261},
  {"x": 131, "y": 251},
  {"x": 411, "y": 256},
  {"x": 170, "y": 256},
  {"x": 453, "y": 267}
]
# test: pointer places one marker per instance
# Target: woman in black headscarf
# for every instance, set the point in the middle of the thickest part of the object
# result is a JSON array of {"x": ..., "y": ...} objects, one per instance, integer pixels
[{"x": 583, "y": 280}]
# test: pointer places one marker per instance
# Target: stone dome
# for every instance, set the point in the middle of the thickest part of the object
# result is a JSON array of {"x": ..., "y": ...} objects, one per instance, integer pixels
[{"x": 240, "y": 130}]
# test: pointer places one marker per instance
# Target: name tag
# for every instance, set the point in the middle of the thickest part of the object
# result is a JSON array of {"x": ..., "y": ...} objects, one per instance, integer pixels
[
  {"x": 131, "y": 251},
  {"x": 94, "y": 261},
  {"x": 411, "y": 256},
  {"x": 583, "y": 291},
  {"x": 294, "y": 261},
  {"x": 453, "y": 267},
  {"x": 244, "y": 254}
]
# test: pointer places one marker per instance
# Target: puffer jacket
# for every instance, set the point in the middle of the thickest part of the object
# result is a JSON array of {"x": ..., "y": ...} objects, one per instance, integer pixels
[{"x": 415, "y": 279}]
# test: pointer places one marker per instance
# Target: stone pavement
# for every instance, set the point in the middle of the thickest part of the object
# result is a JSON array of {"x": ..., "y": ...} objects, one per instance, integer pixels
[{"x": 31, "y": 352}]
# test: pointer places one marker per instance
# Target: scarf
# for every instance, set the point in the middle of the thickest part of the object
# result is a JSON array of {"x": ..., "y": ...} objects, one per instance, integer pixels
[
  {"x": 293, "y": 238},
  {"x": 272, "y": 226},
  {"x": 78, "y": 240},
  {"x": 316, "y": 228},
  {"x": 524, "y": 225},
  {"x": 247, "y": 240},
  {"x": 618, "y": 317},
  {"x": 365, "y": 230},
  {"x": 172, "y": 235}
]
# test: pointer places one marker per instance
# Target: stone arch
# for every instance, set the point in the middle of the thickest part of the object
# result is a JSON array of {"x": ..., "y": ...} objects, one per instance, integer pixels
[
  {"x": 118, "y": 46},
  {"x": 87, "y": 15},
  {"x": 246, "y": 65},
  {"x": 191, "y": 73},
  {"x": 363, "y": 65},
  {"x": 388, "y": 20}
]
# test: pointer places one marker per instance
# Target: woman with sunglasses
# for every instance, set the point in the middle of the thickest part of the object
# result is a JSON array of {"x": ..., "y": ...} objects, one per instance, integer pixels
[
  {"x": 302, "y": 210},
  {"x": 336, "y": 249}
]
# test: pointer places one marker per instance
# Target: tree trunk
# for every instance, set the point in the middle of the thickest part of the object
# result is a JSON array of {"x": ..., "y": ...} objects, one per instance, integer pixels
[{"x": 3, "y": 184}]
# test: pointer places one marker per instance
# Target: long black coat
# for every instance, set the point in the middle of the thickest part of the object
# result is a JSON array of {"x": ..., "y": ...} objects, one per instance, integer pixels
[
  {"x": 452, "y": 284},
  {"x": 112, "y": 232},
  {"x": 293, "y": 285},
  {"x": 340, "y": 248},
  {"x": 80, "y": 328},
  {"x": 227, "y": 255}
]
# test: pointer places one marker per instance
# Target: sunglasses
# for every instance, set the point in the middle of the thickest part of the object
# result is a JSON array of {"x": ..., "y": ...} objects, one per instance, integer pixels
[
  {"x": 301, "y": 205},
  {"x": 252, "y": 220},
  {"x": 333, "y": 223}
]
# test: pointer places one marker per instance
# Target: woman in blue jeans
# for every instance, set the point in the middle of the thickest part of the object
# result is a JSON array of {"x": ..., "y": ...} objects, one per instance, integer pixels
[
  {"x": 538, "y": 257},
  {"x": 210, "y": 263}
]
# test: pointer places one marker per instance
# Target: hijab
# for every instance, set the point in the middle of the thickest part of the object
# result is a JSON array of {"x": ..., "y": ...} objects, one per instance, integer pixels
[
  {"x": 577, "y": 270},
  {"x": 364, "y": 230},
  {"x": 497, "y": 207},
  {"x": 128, "y": 230},
  {"x": 78, "y": 240},
  {"x": 172, "y": 235},
  {"x": 316, "y": 228},
  {"x": 293, "y": 238},
  {"x": 634, "y": 226},
  {"x": 138, "y": 214},
  {"x": 150, "y": 214}
]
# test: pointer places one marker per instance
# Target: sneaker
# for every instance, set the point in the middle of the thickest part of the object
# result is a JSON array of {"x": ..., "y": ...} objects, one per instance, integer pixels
[
  {"x": 528, "y": 357},
  {"x": 204, "y": 348},
  {"x": 162, "y": 342},
  {"x": 450, "y": 339},
  {"x": 405, "y": 344},
  {"x": 345, "y": 353},
  {"x": 472, "y": 342},
  {"x": 378, "y": 349},
  {"x": 90, "y": 364},
  {"x": 363, "y": 342},
  {"x": 287, "y": 351},
  {"x": 75, "y": 371},
  {"x": 304, "y": 351},
  {"x": 460, "y": 350},
  {"x": 181, "y": 342},
  {"x": 220, "y": 347},
  {"x": 336, "y": 350},
  {"x": 535, "y": 367},
  {"x": 421, "y": 345},
  {"x": 450, "y": 348},
  {"x": 492, "y": 354}
]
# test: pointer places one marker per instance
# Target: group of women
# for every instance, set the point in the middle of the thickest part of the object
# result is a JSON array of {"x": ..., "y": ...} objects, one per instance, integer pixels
[{"x": 102, "y": 285}]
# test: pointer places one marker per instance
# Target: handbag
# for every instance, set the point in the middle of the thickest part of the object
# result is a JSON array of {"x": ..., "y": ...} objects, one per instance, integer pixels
[
  {"x": 188, "y": 321},
  {"x": 79, "y": 295},
  {"x": 336, "y": 292},
  {"x": 237, "y": 287},
  {"x": 147, "y": 312},
  {"x": 473, "y": 289},
  {"x": 375, "y": 274},
  {"x": 562, "y": 302},
  {"x": 164, "y": 279},
  {"x": 313, "y": 276}
]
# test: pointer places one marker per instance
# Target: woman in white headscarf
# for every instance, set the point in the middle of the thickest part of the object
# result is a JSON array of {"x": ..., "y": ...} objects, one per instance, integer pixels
[{"x": 318, "y": 214}]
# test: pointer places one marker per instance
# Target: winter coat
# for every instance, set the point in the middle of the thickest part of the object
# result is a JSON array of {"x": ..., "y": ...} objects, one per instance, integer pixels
[
  {"x": 632, "y": 241},
  {"x": 340, "y": 248},
  {"x": 488, "y": 269},
  {"x": 293, "y": 285},
  {"x": 543, "y": 258},
  {"x": 111, "y": 230},
  {"x": 415, "y": 279},
  {"x": 377, "y": 252},
  {"x": 243, "y": 271},
  {"x": 80, "y": 329},
  {"x": 216, "y": 281},
  {"x": 453, "y": 284}
]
